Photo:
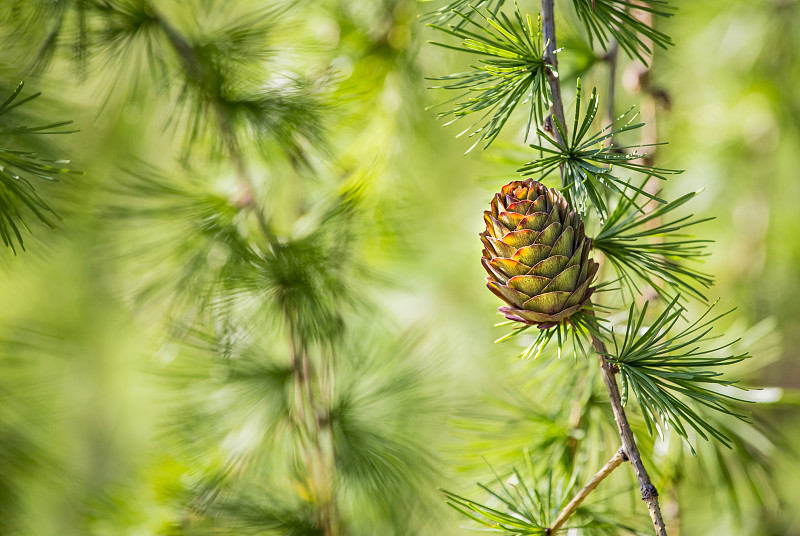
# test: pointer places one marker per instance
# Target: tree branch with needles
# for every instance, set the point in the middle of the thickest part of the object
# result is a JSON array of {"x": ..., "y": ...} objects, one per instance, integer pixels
[{"x": 649, "y": 492}]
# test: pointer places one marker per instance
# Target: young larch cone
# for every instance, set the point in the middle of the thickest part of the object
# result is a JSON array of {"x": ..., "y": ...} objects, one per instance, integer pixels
[{"x": 537, "y": 254}]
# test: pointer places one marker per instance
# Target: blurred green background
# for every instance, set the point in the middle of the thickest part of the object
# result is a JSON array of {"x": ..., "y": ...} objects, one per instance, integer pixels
[{"x": 114, "y": 419}]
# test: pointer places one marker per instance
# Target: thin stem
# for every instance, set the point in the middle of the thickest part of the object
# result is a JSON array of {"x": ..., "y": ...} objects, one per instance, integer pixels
[
  {"x": 549, "y": 34},
  {"x": 611, "y": 59},
  {"x": 619, "y": 458},
  {"x": 649, "y": 492},
  {"x": 639, "y": 80}
]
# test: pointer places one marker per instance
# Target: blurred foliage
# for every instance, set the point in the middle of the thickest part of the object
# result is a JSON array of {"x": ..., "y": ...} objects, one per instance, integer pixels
[
  {"x": 18, "y": 165},
  {"x": 244, "y": 322},
  {"x": 619, "y": 20}
]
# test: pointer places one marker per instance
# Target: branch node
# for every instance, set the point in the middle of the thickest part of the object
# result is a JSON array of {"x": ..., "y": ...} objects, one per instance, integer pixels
[
  {"x": 649, "y": 491},
  {"x": 548, "y": 124},
  {"x": 624, "y": 455}
]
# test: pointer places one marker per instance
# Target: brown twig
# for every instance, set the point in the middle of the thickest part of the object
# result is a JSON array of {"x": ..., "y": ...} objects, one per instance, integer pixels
[
  {"x": 549, "y": 34},
  {"x": 619, "y": 458},
  {"x": 638, "y": 78},
  {"x": 649, "y": 492}
]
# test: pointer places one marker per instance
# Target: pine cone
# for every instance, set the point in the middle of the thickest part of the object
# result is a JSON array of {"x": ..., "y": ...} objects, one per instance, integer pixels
[{"x": 537, "y": 254}]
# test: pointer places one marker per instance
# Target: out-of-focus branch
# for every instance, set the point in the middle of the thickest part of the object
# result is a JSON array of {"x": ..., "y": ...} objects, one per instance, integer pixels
[
  {"x": 611, "y": 59},
  {"x": 637, "y": 79},
  {"x": 316, "y": 440},
  {"x": 194, "y": 68}
]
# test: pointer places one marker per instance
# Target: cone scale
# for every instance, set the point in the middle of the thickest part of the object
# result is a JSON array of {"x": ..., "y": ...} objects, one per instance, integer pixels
[{"x": 536, "y": 254}]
